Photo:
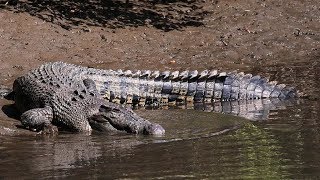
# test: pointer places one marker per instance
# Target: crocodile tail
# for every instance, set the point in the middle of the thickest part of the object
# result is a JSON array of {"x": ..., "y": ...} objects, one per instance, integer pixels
[{"x": 145, "y": 87}]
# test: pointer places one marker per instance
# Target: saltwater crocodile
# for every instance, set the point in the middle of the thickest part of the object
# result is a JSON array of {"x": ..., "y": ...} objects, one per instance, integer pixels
[{"x": 81, "y": 98}]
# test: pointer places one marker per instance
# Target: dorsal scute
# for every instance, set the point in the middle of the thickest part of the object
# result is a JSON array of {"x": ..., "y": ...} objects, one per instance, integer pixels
[
  {"x": 165, "y": 74},
  {"x": 136, "y": 74},
  {"x": 193, "y": 75},
  {"x": 174, "y": 75},
  {"x": 120, "y": 72},
  {"x": 145, "y": 74},
  {"x": 184, "y": 75},
  {"x": 222, "y": 74},
  {"x": 128, "y": 73},
  {"x": 212, "y": 74},
  {"x": 155, "y": 74},
  {"x": 204, "y": 74}
]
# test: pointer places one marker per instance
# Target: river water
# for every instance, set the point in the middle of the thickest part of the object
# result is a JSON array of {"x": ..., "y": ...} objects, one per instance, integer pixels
[{"x": 197, "y": 144}]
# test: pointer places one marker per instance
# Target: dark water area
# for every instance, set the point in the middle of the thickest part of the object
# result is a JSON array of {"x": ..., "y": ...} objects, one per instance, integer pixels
[
  {"x": 197, "y": 144},
  {"x": 285, "y": 146}
]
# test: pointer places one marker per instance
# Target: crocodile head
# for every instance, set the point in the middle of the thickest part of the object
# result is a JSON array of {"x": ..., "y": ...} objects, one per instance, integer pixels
[{"x": 116, "y": 117}]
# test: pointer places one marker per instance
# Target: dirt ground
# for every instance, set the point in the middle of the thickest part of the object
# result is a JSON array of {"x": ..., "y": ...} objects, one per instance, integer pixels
[{"x": 246, "y": 35}]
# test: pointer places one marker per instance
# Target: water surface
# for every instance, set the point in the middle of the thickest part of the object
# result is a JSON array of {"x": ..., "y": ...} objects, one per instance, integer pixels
[{"x": 197, "y": 144}]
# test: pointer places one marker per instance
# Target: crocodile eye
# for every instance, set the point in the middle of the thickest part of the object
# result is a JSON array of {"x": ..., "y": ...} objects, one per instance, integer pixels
[{"x": 91, "y": 94}]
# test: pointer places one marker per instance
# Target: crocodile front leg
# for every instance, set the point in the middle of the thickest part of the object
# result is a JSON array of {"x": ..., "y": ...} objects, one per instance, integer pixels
[{"x": 39, "y": 119}]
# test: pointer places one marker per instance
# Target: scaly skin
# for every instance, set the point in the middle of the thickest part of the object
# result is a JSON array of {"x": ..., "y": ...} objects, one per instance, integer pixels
[
  {"x": 79, "y": 98},
  {"x": 56, "y": 94},
  {"x": 148, "y": 87}
]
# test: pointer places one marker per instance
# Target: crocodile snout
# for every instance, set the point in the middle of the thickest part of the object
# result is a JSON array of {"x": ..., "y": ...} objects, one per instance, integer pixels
[{"x": 154, "y": 129}]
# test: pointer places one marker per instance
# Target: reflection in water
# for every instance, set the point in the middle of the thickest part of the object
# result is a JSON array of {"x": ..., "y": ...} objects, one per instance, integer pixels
[
  {"x": 252, "y": 109},
  {"x": 53, "y": 156},
  {"x": 259, "y": 154},
  {"x": 64, "y": 154},
  {"x": 284, "y": 146}
]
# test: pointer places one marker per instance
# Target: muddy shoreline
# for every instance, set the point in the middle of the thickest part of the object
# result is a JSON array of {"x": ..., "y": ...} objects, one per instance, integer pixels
[{"x": 272, "y": 38}]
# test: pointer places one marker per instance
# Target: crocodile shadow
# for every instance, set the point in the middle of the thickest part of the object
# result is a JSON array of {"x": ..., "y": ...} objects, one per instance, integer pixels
[{"x": 12, "y": 112}]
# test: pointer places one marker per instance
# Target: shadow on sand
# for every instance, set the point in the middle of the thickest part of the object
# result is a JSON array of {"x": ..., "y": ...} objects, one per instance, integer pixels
[{"x": 165, "y": 15}]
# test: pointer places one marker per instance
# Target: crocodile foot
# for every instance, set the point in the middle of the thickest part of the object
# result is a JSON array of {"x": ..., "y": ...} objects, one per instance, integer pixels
[{"x": 49, "y": 129}]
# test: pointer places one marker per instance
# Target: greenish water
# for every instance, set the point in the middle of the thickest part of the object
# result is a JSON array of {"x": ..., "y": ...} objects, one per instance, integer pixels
[
  {"x": 284, "y": 146},
  {"x": 197, "y": 144}
]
